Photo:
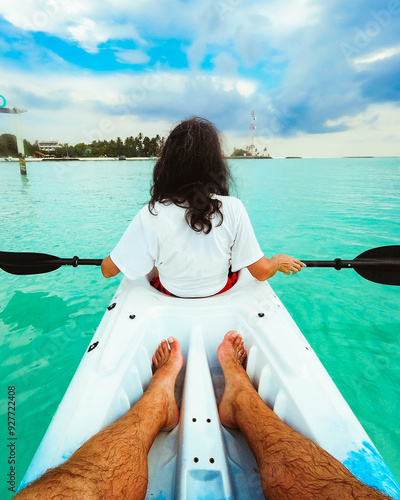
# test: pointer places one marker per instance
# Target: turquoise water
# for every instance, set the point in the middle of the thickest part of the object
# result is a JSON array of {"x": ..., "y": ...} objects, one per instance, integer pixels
[{"x": 319, "y": 209}]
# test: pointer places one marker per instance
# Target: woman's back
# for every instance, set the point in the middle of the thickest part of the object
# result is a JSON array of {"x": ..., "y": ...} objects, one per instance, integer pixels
[{"x": 190, "y": 263}]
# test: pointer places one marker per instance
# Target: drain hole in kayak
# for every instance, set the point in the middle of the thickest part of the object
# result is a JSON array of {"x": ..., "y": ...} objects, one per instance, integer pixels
[
  {"x": 195, "y": 460},
  {"x": 194, "y": 419},
  {"x": 208, "y": 420},
  {"x": 212, "y": 460}
]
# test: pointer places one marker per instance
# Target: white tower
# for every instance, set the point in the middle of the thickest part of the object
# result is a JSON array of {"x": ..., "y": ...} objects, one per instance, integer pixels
[{"x": 251, "y": 147}]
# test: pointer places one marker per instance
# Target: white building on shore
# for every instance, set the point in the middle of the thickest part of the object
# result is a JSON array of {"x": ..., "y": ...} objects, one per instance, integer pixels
[{"x": 48, "y": 146}]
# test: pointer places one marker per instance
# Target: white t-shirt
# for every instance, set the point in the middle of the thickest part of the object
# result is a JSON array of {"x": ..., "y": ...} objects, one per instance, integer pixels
[{"x": 190, "y": 264}]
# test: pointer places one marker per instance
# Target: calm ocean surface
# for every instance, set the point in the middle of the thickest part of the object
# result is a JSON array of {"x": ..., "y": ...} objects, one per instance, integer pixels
[{"x": 309, "y": 208}]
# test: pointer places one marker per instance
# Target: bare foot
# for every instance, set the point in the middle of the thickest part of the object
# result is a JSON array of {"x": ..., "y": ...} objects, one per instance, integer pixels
[
  {"x": 167, "y": 363},
  {"x": 231, "y": 355}
]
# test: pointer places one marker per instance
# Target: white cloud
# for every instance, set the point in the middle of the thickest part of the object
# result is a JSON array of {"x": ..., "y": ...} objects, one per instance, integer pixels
[
  {"x": 250, "y": 28},
  {"x": 378, "y": 56},
  {"x": 245, "y": 88},
  {"x": 153, "y": 96},
  {"x": 88, "y": 23},
  {"x": 286, "y": 17},
  {"x": 88, "y": 34},
  {"x": 49, "y": 16},
  {"x": 381, "y": 118},
  {"x": 132, "y": 57},
  {"x": 198, "y": 24},
  {"x": 374, "y": 132}
]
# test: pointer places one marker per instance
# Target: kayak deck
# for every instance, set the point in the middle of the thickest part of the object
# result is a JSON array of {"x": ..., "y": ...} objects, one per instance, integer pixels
[{"x": 200, "y": 458}]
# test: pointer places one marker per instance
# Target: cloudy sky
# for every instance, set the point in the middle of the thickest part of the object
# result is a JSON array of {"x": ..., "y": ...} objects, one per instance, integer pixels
[{"x": 323, "y": 77}]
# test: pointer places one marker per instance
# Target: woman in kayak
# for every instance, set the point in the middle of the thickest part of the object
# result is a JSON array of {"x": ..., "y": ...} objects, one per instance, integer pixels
[{"x": 192, "y": 231}]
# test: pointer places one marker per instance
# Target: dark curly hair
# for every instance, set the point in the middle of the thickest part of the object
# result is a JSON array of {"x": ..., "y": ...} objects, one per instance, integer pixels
[{"x": 190, "y": 170}]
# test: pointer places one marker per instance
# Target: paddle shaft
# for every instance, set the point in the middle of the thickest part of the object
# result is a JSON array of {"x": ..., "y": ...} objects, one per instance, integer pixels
[
  {"x": 352, "y": 264},
  {"x": 76, "y": 261}
]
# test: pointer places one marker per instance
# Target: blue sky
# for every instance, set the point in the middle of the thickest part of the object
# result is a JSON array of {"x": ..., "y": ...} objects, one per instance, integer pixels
[{"x": 322, "y": 77}]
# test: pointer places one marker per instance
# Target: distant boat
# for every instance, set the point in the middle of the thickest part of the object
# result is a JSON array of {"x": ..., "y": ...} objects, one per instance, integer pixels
[
  {"x": 67, "y": 158},
  {"x": 29, "y": 158},
  {"x": 32, "y": 158}
]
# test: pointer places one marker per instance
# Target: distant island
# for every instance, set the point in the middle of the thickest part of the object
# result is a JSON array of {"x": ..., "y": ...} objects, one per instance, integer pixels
[
  {"x": 139, "y": 147},
  {"x": 249, "y": 153},
  {"x": 249, "y": 157}
]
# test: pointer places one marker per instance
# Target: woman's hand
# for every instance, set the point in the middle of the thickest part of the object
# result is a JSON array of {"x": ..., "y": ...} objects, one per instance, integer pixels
[
  {"x": 286, "y": 264},
  {"x": 265, "y": 268}
]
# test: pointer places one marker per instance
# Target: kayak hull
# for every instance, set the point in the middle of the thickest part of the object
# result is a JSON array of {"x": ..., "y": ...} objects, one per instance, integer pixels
[{"x": 200, "y": 458}]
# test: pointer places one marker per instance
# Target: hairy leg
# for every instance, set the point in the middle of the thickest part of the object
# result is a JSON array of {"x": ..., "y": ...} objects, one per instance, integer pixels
[
  {"x": 113, "y": 463},
  {"x": 291, "y": 466}
]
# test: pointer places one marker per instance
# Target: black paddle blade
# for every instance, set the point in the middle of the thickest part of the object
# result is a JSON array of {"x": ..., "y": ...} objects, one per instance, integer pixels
[
  {"x": 28, "y": 263},
  {"x": 387, "y": 268}
]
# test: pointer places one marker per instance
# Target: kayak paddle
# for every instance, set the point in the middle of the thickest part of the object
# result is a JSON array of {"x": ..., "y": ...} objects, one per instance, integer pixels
[
  {"x": 38, "y": 263},
  {"x": 380, "y": 265}
]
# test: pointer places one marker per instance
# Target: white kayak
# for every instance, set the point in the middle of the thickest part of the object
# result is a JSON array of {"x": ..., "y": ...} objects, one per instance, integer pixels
[{"x": 200, "y": 458}]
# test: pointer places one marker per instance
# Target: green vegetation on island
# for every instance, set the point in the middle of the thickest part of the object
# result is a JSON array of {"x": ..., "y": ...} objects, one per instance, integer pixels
[
  {"x": 249, "y": 152},
  {"x": 8, "y": 145},
  {"x": 139, "y": 146}
]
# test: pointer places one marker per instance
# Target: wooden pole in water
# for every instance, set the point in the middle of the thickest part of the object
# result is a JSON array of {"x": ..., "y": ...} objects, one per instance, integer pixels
[
  {"x": 20, "y": 144},
  {"x": 20, "y": 141}
]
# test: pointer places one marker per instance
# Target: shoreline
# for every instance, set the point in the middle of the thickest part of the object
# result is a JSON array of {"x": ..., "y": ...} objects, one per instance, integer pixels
[{"x": 144, "y": 158}]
